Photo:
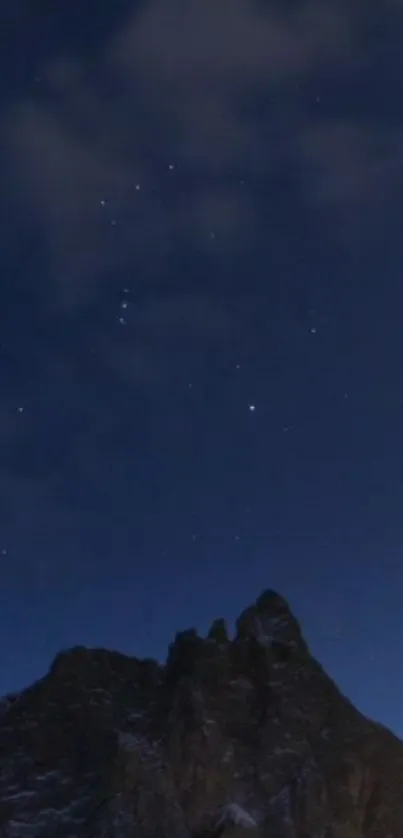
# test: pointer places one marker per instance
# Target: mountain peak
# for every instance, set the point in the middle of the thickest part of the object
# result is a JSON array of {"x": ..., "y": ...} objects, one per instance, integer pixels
[
  {"x": 272, "y": 602},
  {"x": 271, "y": 621},
  {"x": 228, "y": 738}
]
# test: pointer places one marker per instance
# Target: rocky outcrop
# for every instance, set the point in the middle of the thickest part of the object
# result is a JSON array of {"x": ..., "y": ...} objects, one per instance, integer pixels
[{"x": 231, "y": 737}]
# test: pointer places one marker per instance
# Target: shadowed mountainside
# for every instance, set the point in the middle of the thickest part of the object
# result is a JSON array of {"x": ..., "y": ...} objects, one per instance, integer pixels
[{"x": 229, "y": 736}]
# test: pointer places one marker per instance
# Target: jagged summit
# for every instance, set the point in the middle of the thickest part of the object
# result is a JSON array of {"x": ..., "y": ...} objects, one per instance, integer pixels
[
  {"x": 274, "y": 605},
  {"x": 229, "y": 737},
  {"x": 269, "y": 619},
  {"x": 271, "y": 622}
]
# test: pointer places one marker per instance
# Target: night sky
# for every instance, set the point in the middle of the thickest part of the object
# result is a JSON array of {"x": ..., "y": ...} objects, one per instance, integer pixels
[{"x": 201, "y": 338}]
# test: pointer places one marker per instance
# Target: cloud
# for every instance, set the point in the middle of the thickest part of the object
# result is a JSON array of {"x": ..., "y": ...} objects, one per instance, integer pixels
[
  {"x": 189, "y": 83},
  {"x": 229, "y": 44},
  {"x": 352, "y": 170},
  {"x": 223, "y": 90},
  {"x": 61, "y": 176}
]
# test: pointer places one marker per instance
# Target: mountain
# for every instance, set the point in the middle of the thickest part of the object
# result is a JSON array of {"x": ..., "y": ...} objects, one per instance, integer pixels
[{"x": 230, "y": 738}]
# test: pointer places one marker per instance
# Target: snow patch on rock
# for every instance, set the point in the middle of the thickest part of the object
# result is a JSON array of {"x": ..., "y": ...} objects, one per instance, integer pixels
[{"x": 237, "y": 815}]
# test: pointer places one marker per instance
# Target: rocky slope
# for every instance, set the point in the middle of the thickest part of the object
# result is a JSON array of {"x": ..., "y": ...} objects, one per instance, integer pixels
[{"x": 230, "y": 738}]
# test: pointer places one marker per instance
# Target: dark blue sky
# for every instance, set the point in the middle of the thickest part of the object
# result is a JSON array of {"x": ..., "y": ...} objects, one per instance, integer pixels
[{"x": 201, "y": 214}]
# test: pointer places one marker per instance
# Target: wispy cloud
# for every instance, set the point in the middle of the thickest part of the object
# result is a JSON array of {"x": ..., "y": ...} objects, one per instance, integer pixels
[
  {"x": 185, "y": 83},
  {"x": 225, "y": 92},
  {"x": 353, "y": 171}
]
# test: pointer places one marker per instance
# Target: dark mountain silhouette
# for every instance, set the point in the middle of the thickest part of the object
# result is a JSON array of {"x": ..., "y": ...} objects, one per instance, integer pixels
[{"x": 230, "y": 736}]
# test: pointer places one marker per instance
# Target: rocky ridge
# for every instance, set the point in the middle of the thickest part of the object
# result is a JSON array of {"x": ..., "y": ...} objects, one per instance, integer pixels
[{"x": 231, "y": 737}]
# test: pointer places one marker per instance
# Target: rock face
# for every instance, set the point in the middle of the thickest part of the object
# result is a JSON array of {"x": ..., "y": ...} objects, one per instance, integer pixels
[{"x": 231, "y": 738}]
